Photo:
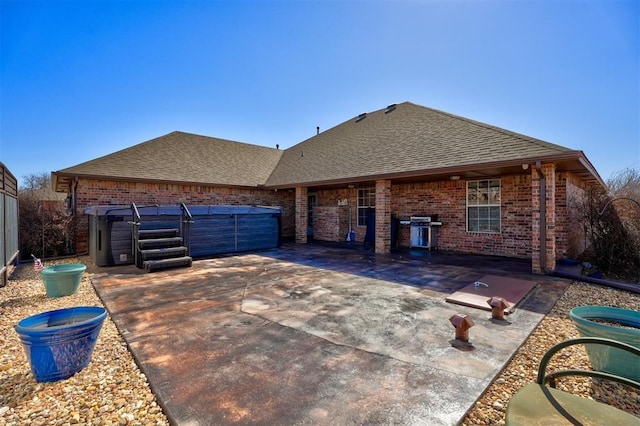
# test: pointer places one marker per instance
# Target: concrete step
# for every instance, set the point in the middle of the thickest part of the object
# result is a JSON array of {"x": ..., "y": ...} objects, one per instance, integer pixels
[
  {"x": 163, "y": 253},
  {"x": 175, "y": 262},
  {"x": 158, "y": 243}
]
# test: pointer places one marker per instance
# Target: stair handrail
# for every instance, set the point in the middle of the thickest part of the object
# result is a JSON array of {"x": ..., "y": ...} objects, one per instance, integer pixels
[
  {"x": 185, "y": 226},
  {"x": 135, "y": 225}
]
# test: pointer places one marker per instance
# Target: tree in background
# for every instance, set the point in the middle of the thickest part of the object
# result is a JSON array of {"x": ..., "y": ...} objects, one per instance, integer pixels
[
  {"x": 624, "y": 188},
  {"x": 35, "y": 182},
  {"x": 612, "y": 226},
  {"x": 46, "y": 229}
]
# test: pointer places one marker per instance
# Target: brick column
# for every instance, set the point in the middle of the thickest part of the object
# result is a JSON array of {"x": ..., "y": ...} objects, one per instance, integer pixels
[
  {"x": 549, "y": 245},
  {"x": 383, "y": 216},
  {"x": 302, "y": 216}
]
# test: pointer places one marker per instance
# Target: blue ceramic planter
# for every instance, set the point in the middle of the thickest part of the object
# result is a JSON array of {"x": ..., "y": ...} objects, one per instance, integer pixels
[
  {"x": 62, "y": 280},
  {"x": 59, "y": 343},
  {"x": 610, "y": 360}
]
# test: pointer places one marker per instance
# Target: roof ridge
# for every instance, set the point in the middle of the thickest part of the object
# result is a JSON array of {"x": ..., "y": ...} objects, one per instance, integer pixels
[{"x": 214, "y": 138}]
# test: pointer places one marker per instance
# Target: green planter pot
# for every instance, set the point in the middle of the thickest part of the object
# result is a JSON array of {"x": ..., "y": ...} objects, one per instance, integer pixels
[
  {"x": 610, "y": 360},
  {"x": 62, "y": 280}
]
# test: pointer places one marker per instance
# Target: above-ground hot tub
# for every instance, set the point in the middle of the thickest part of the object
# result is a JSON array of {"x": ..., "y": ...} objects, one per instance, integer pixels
[{"x": 214, "y": 229}]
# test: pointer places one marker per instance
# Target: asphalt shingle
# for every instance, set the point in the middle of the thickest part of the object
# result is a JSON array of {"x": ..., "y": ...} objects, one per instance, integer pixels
[
  {"x": 186, "y": 157},
  {"x": 405, "y": 139},
  {"x": 408, "y": 138}
]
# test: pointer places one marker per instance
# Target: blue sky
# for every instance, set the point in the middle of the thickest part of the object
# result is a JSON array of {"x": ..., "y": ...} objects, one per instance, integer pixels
[{"x": 84, "y": 79}]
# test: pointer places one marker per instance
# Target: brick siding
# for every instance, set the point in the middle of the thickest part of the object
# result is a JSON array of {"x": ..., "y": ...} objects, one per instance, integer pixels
[
  {"x": 348, "y": 200},
  {"x": 519, "y": 213},
  {"x": 549, "y": 248},
  {"x": 106, "y": 192},
  {"x": 447, "y": 199},
  {"x": 571, "y": 239},
  {"x": 301, "y": 216},
  {"x": 330, "y": 223},
  {"x": 383, "y": 216}
]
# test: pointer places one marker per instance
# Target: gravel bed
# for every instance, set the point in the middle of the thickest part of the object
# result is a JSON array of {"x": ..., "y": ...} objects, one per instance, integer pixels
[
  {"x": 113, "y": 391},
  {"x": 555, "y": 328}
]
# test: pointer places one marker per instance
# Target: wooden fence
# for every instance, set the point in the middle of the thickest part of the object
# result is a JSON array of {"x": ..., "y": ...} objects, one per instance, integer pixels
[{"x": 8, "y": 222}]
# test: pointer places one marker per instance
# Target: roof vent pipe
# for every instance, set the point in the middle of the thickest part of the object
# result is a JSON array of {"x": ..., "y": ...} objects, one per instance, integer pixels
[
  {"x": 498, "y": 306},
  {"x": 462, "y": 324},
  {"x": 317, "y": 130}
]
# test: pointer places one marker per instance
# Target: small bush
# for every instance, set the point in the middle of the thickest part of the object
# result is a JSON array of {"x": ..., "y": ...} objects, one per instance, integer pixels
[
  {"x": 46, "y": 229},
  {"x": 612, "y": 226}
]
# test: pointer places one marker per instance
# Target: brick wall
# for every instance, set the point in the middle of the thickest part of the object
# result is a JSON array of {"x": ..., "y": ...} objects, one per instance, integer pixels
[
  {"x": 570, "y": 235},
  {"x": 549, "y": 245},
  {"x": 561, "y": 222},
  {"x": 330, "y": 223},
  {"x": 520, "y": 219},
  {"x": 519, "y": 215},
  {"x": 331, "y": 197},
  {"x": 301, "y": 217},
  {"x": 550, "y": 249},
  {"x": 447, "y": 199},
  {"x": 383, "y": 216},
  {"x": 92, "y": 192}
]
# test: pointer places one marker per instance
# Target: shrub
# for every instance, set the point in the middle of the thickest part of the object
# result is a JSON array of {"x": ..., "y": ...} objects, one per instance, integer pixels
[
  {"x": 46, "y": 229},
  {"x": 612, "y": 226}
]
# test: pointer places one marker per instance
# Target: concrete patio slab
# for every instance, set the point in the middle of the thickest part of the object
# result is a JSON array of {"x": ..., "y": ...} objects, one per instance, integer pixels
[{"x": 317, "y": 334}]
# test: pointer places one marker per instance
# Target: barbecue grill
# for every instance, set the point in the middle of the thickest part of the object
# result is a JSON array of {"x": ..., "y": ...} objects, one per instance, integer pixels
[{"x": 424, "y": 231}]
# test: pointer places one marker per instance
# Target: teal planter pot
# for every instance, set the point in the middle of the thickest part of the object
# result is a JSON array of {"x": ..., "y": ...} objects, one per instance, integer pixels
[
  {"x": 59, "y": 343},
  {"x": 62, "y": 280},
  {"x": 622, "y": 325}
]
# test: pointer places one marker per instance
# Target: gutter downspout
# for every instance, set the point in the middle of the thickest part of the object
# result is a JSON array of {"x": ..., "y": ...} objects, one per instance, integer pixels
[
  {"x": 543, "y": 218},
  {"x": 74, "y": 195}
]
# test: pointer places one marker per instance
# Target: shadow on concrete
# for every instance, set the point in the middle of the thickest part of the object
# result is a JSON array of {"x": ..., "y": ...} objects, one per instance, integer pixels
[
  {"x": 439, "y": 271},
  {"x": 315, "y": 334},
  {"x": 436, "y": 270}
]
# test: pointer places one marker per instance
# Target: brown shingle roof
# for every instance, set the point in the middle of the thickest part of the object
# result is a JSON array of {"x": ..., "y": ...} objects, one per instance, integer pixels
[
  {"x": 185, "y": 157},
  {"x": 409, "y": 138},
  {"x": 404, "y": 141}
]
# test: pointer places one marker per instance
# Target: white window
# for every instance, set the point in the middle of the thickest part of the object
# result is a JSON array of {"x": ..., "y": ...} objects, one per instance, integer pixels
[
  {"x": 483, "y": 206},
  {"x": 366, "y": 199}
]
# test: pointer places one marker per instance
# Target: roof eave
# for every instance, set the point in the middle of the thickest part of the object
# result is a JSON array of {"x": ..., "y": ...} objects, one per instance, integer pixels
[
  {"x": 469, "y": 169},
  {"x": 62, "y": 185},
  {"x": 61, "y": 181}
]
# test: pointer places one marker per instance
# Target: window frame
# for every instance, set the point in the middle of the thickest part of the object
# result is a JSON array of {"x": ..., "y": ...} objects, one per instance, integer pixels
[
  {"x": 361, "y": 209},
  {"x": 477, "y": 191},
  {"x": 312, "y": 201}
]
